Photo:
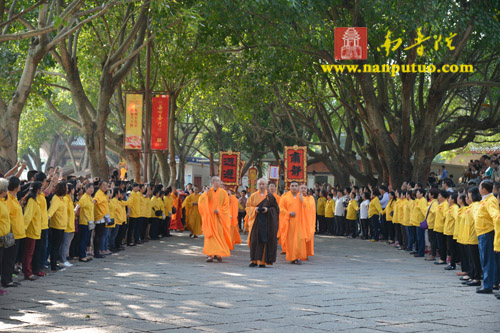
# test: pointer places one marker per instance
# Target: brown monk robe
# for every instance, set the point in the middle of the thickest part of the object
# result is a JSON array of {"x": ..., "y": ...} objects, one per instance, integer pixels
[
  {"x": 233, "y": 230},
  {"x": 262, "y": 212},
  {"x": 294, "y": 227},
  {"x": 215, "y": 221},
  {"x": 309, "y": 216}
]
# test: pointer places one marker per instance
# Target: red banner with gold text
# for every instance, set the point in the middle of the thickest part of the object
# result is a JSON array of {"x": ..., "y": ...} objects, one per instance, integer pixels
[{"x": 159, "y": 123}]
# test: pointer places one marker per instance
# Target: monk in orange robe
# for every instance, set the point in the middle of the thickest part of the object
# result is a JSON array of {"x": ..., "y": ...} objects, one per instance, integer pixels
[
  {"x": 233, "y": 230},
  {"x": 309, "y": 217},
  {"x": 293, "y": 227},
  {"x": 262, "y": 212},
  {"x": 215, "y": 221},
  {"x": 175, "y": 221},
  {"x": 272, "y": 190}
]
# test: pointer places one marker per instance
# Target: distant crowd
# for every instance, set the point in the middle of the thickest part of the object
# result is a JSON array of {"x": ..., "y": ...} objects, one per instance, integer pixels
[{"x": 49, "y": 222}]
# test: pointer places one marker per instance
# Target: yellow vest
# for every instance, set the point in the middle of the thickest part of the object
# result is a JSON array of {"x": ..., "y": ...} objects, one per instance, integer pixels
[
  {"x": 33, "y": 219},
  {"x": 450, "y": 220},
  {"x": 442, "y": 209},
  {"x": 101, "y": 206},
  {"x": 431, "y": 215},
  {"x": 4, "y": 219},
  {"x": 374, "y": 208},
  {"x": 16, "y": 216},
  {"x": 42, "y": 203},
  {"x": 469, "y": 231},
  {"x": 329, "y": 208},
  {"x": 58, "y": 213},
  {"x": 71, "y": 215},
  {"x": 320, "y": 210},
  {"x": 86, "y": 209},
  {"x": 352, "y": 208},
  {"x": 486, "y": 214}
]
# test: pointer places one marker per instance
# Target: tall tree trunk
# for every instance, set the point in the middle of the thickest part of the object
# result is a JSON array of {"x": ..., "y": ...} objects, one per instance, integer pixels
[
  {"x": 96, "y": 147},
  {"x": 182, "y": 171},
  {"x": 134, "y": 165},
  {"x": 162, "y": 158},
  {"x": 171, "y": 138}
]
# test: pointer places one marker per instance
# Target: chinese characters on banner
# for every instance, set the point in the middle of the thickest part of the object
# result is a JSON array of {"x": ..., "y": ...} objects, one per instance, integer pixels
[
  {"x": 133, "y": 121},
  {"x": 159, "y": 123},
  {"x": 253, "y": 174},
  {"x": 295, "y": 164},
  {"x": 229, "y": 167}
]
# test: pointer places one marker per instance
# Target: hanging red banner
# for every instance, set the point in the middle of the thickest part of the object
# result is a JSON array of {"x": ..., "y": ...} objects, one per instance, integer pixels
[
  {"x": 159, "y": 123},
  {"x": 296, "y": 164},
  {"x": 253, "y": 174},
  {"x": 229, "y": 167}
]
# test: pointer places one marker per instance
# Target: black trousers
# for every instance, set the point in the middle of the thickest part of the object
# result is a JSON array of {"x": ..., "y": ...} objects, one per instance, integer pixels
[
  {"x": 404, "y": 237},
  {"x": 241, "y": 219},
  {"x": 476, "y": 270},
  {"x": 391, "y": 233},
  {"x": 8, "y": 262},
  {"x": 433, "y": 240},
  {"x": 168, "y": 219},
  {"x": 132, "y": 225},
  {"x": 56, "y": 238},
  {"x": 155, "y": 224},
  {"x": 74, "y": 248},
  {"x": 121, "y": 234},
  {"x": 339, "y": 225},
  {"x": 143, "y": 227},
  {"x": 365, "y": 227},
  {"x": 330, "y": 223},
  {"x": 464, "y": 258},
  {"x": 384, "y": 227},
  {"x": 98, "y": 232},
  {"x": 451, "y": 246},
  {"x": 443, "y": 250},
  {"x": 397, "y": 233},
  {"x": 36, "y": 263},
  {"x": 351, "y": 230}
]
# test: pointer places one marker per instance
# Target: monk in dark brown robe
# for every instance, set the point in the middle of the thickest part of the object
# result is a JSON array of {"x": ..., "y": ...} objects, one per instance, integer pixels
[{"x": 263, "y": 216}]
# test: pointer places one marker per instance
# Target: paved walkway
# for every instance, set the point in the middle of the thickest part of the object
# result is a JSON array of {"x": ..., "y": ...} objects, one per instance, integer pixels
[{"x": 350, "y": 285}]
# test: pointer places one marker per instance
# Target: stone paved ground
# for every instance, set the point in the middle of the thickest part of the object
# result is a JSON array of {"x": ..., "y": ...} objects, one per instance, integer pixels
[{"x": 349, "y": 285}]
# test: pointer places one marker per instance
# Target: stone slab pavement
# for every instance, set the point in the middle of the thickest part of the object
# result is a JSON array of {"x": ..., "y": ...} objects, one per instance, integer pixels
[{"x": 349, "y": 285}]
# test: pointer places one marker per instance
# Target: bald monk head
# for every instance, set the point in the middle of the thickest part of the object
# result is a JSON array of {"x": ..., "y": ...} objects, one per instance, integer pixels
[
  {"x": 261, "y": 185},
  {"x": 216, "y": 182},
  {"x": 272, "y": 188},
  {"x": 294, "y": 188},
  {"x": 303, "y": 189}
]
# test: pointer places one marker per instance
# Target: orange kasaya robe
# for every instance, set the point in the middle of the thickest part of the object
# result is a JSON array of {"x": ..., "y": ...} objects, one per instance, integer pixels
[
  {"x": 309, "y": 216},
  {"x": 215, "y": 226},
  {"x": 175, "y": 221},
  {"x": 193, "y": 218},
  {"x": 293, "y": 229},
  {"x": 234, "y": 230}
]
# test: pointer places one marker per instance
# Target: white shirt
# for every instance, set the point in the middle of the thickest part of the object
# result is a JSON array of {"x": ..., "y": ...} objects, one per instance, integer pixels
[
  {"x": 339, "y": 206},
  {"x": 363, "y": 209}
]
